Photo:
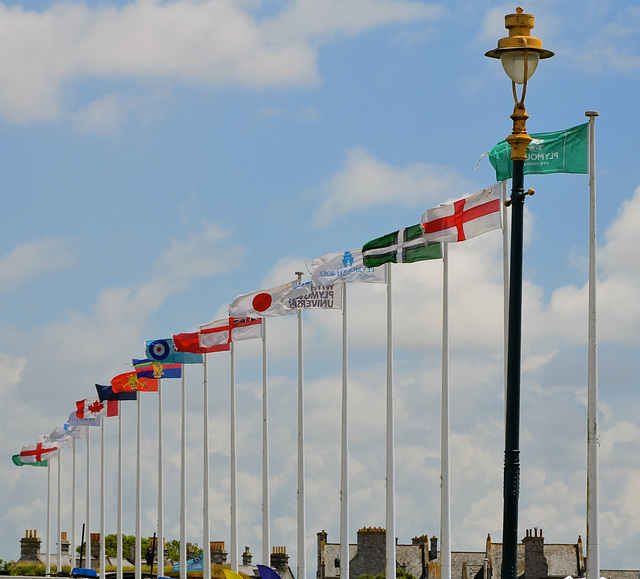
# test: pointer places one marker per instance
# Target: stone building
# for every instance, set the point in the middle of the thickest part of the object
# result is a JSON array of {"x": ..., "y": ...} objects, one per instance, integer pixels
[
  {"x": 30, "y": 550},
  {"x": 279, "y": 561},
  {"x": 536, "y": 560}
]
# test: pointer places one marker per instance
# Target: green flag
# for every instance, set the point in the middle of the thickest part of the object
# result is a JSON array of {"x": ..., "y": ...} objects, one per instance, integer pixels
[
  {"x": 18, "y": 461},
  {"x": 558, "y": 152},
  {"x": 403, "y": 246}
]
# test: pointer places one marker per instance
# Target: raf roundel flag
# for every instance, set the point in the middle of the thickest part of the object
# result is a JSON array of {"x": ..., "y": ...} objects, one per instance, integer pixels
[{"x": 164, "y": 351}]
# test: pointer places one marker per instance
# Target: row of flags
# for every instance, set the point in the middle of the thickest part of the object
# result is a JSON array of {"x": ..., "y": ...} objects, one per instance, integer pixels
[
  {"x": 561, "y": 151},
  {"x": 461, "y": 220}
]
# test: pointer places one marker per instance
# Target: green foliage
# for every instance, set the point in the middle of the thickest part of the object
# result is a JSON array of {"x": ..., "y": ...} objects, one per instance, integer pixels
[
  {"x": 111, "y": 545},
  {"x": 173, "y": 549},
  {"x": 5, "y": 567},
  {"x": 28, "y": 569},
  {"x": 129, "y": 541}
]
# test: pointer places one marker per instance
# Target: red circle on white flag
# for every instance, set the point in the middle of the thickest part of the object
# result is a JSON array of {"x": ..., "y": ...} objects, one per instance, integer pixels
[{"x": 261, "y": 302}]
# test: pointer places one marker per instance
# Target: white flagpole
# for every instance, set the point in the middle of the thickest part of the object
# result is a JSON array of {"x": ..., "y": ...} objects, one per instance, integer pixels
[
  {"x": 266, "y": 516},
  {"x": 390, "y": 566},
  {"x": 59, "y": 531},
  {"x": 206, "y": 529},
  {"x": 183, "y": 481},
  {"x": 119, "y": 507},
  {"x": 47, "y": 541},
  {"x": 138, "y": 553},
  {"x": 103, "y": 555},
  {"x": 593, "y": 500},
  {"x": 344, "y": 462},
  {"x": 72, "y": 549},
  {"x": 301, "y": 547},
  {"x": 445, "y": 481},
  {"x": 160, "y": 535},
  {"x": 87, "y": 533},
  {"x": 233, "y": 542}
]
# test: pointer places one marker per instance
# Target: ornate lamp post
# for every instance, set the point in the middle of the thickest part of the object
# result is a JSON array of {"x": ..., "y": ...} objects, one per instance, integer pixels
[{"x": 519, "y": 54}]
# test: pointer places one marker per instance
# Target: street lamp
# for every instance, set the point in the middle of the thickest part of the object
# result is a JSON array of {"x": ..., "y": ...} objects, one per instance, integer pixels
[{"x": 519, "y": 54}]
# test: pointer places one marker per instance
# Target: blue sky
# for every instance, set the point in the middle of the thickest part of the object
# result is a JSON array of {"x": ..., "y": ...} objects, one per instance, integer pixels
[{"x": 160, "y": 158}]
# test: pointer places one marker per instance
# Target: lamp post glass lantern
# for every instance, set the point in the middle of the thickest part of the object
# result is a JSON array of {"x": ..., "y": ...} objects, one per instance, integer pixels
[{"x": 519, "y": 54}]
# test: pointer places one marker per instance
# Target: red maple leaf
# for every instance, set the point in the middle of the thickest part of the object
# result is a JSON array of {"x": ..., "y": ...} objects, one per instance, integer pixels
[{"x": 95, "y": 407}]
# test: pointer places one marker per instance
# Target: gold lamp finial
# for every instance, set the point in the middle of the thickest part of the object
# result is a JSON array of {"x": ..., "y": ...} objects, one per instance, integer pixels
[
  {"x": 519, "y": 54},
  {"x": 519, "y": 26}
]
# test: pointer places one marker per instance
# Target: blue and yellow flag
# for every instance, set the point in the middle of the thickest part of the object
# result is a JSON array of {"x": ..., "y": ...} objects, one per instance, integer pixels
[{"x": 154, "y": 369}]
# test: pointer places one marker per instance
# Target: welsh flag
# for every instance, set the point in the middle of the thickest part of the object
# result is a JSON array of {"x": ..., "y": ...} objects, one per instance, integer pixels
[{"x": 403, "y": 246}]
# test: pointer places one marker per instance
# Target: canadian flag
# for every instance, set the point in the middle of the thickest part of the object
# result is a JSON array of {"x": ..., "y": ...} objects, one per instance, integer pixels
[
  {"x": 93, "y": 408},
  {"x": 465, "y": 218}
]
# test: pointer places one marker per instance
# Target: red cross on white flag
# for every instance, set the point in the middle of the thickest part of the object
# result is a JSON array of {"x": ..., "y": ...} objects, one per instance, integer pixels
[
  {"x": 465, "y": 218},
  {"x": 38, "y": 452},
  {"x": 222, "y": 332}
]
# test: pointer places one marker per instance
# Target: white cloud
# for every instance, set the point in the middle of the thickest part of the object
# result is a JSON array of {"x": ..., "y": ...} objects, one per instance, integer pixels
[
  {"x": 366, "y": 182},
  {"x": 607, "y": 40},
  {"x": 308, "y": 19},
  {"x": 105, "y": 114},
  {"x": 11, "y": 370},
  {"x": 31, "y": 259},
  {"x": 213, "y": 42},
  {"x": 617, "y": 292},
  {"x": 122, "y": 311}
]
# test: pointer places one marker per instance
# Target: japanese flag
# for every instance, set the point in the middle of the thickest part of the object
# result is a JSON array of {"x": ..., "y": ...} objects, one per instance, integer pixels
[{"x": 264, "y": 303}]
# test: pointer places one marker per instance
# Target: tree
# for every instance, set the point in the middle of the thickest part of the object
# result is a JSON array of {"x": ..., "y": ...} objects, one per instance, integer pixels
[
  {"x": 128, "y": 541},
  {"x": 173, "y": 549}
]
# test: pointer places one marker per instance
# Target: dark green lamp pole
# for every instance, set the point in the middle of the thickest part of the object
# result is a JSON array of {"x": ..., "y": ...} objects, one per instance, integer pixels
[{"x": 519, "y": 54}]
